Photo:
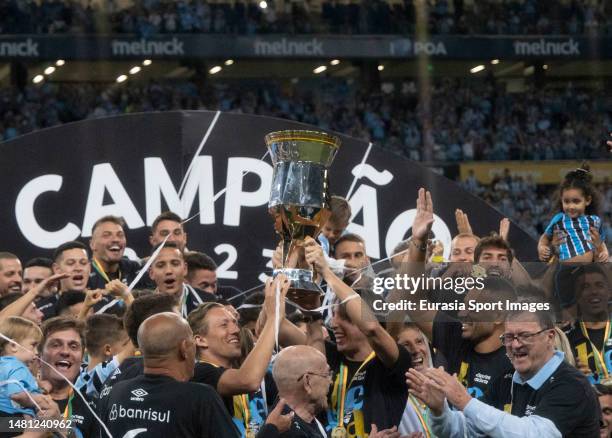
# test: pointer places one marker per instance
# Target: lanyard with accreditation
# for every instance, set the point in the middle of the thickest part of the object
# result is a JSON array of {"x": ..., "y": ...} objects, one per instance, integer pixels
[
  {"x": 340, "y": 395},
  {"x": 242, "y": 402},
  {"x": 598, "y": 354}
]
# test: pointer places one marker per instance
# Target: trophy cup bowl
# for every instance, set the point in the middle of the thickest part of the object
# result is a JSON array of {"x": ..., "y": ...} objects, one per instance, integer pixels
[{"x": 299, "y": 202}]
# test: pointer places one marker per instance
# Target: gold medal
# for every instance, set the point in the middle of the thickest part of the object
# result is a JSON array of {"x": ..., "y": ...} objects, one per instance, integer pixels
[
  {"x": 249, "y": 433},
  {"x": 339, "y": 432}
]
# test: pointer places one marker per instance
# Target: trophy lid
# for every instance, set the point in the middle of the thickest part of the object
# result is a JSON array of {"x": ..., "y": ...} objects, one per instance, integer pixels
[{"x": 302, "y": 145}]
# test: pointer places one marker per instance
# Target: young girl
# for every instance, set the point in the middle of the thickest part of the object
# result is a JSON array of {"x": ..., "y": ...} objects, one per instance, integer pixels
[
  {"x": 15, "y": 377},
  {"x": 577, "y": 230}
]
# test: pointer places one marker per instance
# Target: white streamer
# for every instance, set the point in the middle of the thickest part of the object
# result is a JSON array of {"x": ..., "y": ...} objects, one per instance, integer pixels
[
  {"x": 380, "y": 261},
  {"x": 276, "y": 313},
  {"x": 259, "y": 286},
  {"x": 107, "y": 306},
  {"x": 363, "y": 160},
  {"x": 76, "y": 391},
  {"x": 197, "y": 153},
  {"x": 222, "y": 191},
  {"x": 142, "y": 271},
  {"x": 249, "y": 306}
]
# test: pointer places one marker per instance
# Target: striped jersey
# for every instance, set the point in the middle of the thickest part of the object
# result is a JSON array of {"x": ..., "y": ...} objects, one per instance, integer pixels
[
  {"x": 578, "y": 239},
  {"x": 90, "y": 382}
]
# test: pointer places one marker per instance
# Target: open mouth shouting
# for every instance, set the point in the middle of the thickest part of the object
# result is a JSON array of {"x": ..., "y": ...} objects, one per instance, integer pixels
[
  {"x": 418, "y": 361},
  {"x": 170, "y": 285},
  {"x": 115, "y": 251},
  {"x": 597, "y": 301},
  {"x": 14, "y": 286},
  {"x": 63, "y": 366},
  {"x": 79, "y": 280},
  {"x": 518, "y": 357}
]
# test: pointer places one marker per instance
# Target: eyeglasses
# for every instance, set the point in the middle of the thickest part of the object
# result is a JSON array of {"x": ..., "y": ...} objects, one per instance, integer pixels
[
  {"x": 523, "y": 338},
  {"x": 328, "y": 375}
]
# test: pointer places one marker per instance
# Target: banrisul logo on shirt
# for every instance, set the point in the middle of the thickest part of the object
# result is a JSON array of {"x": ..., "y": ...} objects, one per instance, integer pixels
[
  {"x": 118, "y": 411},
  {"x": 138, "y": 394}
]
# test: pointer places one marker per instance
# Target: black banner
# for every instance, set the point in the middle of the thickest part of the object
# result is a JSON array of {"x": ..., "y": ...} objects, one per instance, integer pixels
[
  {"x": 58, "y": 181},
  {"x": 175, "y": 46}
]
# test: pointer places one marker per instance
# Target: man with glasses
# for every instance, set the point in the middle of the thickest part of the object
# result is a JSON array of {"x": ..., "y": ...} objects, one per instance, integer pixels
[
  {"x": 549, "y": 397},
  {"x": 302, "y": 377}
]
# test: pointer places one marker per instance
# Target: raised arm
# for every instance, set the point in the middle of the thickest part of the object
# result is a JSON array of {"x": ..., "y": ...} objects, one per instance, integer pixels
[
  {"x": 92, "y": 297},
  {"x": 248, "y": 377},
  {"x": 359, "y": 313},
  {"x": 120, "y": 291},
  {"x": 19, "y": 306},
  {"x": 463, "y": 222},
  {"x": 414, "y": 264}
]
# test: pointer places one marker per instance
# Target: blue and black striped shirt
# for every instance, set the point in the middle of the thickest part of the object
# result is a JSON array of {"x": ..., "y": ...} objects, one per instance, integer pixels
[{"x": 578, "y": 240}]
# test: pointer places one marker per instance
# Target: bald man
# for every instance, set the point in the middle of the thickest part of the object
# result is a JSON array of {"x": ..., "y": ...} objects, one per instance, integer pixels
[
  {"x": 302, "y": 377},
  {"x": 162, "y": 402}
]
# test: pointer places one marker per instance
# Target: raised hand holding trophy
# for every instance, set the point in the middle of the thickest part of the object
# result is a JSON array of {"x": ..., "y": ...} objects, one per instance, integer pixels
[{"x": 299, "y": 202}]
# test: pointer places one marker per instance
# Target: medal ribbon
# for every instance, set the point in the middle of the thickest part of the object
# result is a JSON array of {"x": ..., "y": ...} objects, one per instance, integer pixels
[
  {"x": 100, "y": 270},
  {"x": 241, "y": 400},
  {"x": 422, "y": 420},
  {"x": 598, "y": 358},
  {"x": 341, "y": 392},
  {"x": 68, "y": 411}
]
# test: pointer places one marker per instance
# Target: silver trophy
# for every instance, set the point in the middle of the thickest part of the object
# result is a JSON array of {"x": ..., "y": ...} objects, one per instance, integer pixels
[{"x": 299, "y": 202}]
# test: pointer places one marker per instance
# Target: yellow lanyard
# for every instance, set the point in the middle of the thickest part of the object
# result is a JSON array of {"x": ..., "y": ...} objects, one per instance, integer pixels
[
  {"x": 598, "y": 357},
  {"x": 98, "y": 267},
  {"x": 422, "y": 420},
  {"x": 341, "y": 390},
  {"x": 463, "y": 373},
  {"x": 242, "y": 400}
]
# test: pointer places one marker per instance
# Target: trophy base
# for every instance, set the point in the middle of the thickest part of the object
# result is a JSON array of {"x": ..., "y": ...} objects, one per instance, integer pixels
[{"x": 303, "y": 290}]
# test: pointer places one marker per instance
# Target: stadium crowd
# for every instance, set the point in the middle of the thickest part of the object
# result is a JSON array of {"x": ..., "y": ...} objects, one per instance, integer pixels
[
  {"x": 138, "y": 358},
  {"x": 473, "y": 120},
  {"x": 150, "y": 17},
  {"x": 528, "y": 204}
]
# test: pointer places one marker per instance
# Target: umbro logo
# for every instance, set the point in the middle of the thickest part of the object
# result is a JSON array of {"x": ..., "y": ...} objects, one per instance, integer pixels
[{"x": 138, "y": 394}]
